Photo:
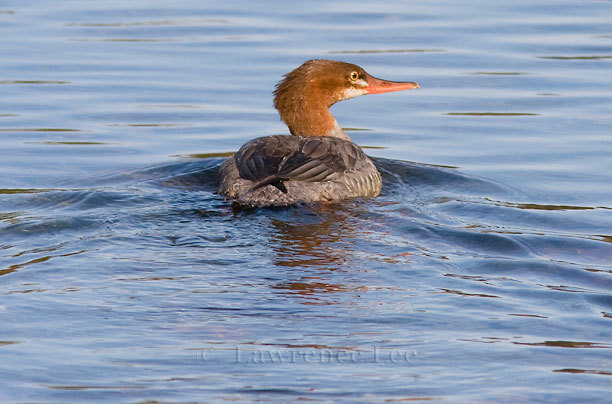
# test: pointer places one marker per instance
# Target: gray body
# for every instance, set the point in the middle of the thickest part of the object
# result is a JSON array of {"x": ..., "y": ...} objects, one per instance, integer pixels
[{"x": 283, "y": 170}]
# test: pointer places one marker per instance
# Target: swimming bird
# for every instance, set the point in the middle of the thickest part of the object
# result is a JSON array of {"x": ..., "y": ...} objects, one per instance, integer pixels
[{"x": 318, "y": 162}]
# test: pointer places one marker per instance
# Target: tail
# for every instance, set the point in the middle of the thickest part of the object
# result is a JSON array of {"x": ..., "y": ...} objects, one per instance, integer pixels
[{"x": 273, "y": 180}]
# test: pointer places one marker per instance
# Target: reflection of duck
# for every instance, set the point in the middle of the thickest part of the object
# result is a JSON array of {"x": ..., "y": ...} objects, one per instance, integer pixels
[
  {"x": 319, "y": 162},
  {"x": 310, "y": 245},
  {"x": 313, "y": 242}
]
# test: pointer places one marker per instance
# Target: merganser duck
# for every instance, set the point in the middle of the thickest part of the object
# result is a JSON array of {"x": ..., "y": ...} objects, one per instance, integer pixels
[{"x": 318, "y": 162}]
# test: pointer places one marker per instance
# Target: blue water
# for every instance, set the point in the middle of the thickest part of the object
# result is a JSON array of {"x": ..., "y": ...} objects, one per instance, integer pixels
[{"x": 483, "y": 273}]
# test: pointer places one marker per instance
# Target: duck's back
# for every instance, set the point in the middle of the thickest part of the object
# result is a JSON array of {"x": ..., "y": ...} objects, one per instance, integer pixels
[{"x": 283, "y": 170}]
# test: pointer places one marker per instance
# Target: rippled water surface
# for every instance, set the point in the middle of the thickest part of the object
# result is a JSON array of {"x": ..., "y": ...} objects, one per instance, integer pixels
[{"x": 483, "y": 273}]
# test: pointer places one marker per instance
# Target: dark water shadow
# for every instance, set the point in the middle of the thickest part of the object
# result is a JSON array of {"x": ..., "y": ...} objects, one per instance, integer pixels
[
  {"x": 198, "y": 174},
  {"x": 402, "y": 181},
  {"x": 402, "y": 176},
  {"x": 594, "y": 57},
  {"x": 201, "y": 174}
]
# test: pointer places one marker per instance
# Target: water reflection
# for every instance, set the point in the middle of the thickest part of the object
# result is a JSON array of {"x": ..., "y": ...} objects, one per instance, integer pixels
[
  {"x": 566, "y": 344},
  {"x": 460, "y": 293},
  {"x": 205, "y": 155},
  {"x": 39, "y": 260},
  {"x": 535, "y": 206},
  {"x": 70, "y": 143},
  {"x": 26, "y": 191},
  {"x": 310, "y": 288},
  {"x": 10, "y": 217},
  {"x": 492, "y": 113},
  {"x": 40, "y": 130},
  {"x": 177, "y": 22},
  {"x": 387, "y": 51},
  {"x": 585, "y": 371},
  {"x": 576, "y": 57},
  {"x": 15, "y": 267},
  {"x": 125, "y": 40},
  {"x": 313, "y": 239},
  {"x": 33, "y": 82},
  {"x": 146, "y": 125},
  {"x": 316, "y": 243},
  {"x": 607, "y": 239},
  {"x": 500, "y": 73},
  {"x": 193, "y": 39}
]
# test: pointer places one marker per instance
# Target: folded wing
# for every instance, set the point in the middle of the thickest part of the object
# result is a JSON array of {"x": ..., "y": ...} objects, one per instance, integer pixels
[{"x": 275, "y": 159}]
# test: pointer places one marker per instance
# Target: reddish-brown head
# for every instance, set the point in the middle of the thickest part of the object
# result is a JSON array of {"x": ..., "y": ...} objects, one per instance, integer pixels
[{"x": 304, "y": 96}]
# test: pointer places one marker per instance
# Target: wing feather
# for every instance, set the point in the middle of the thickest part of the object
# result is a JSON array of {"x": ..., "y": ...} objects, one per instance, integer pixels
[{"x": 273, "y": 159}]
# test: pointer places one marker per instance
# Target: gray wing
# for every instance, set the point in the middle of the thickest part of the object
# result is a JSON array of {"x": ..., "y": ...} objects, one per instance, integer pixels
[{"x": 274, "y": 159}]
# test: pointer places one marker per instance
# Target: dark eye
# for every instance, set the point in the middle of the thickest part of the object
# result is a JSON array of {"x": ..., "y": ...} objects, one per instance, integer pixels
[{"x": 354, "y": 76}]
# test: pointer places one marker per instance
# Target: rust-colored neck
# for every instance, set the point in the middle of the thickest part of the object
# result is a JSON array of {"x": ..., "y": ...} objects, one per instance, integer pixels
[
  {"x": 305, "y": 119},
  {"x": 303, "y": 99}
]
